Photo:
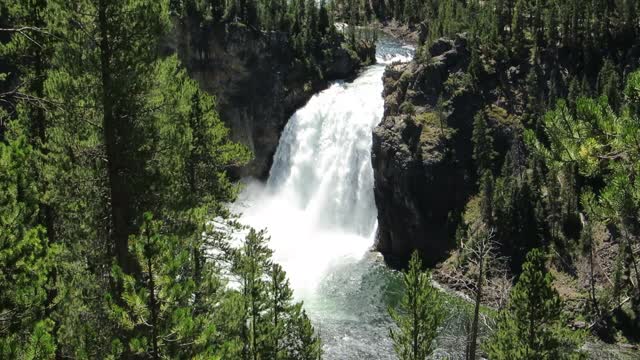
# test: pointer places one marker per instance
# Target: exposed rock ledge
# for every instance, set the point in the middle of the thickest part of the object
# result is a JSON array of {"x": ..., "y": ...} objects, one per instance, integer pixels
[{"x": 422, "y": 154}]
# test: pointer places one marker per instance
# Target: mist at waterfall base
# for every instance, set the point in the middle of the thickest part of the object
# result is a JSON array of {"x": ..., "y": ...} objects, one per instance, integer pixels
[{"x": 319, "y": 210}]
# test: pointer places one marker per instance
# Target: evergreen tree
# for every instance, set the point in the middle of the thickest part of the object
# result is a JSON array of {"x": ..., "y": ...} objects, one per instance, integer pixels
[
  {"x": 275, "y": 327},
  {"x": 305, "y": 344},
  {"x": 324, "y": 21},
  {"x": 25, "y": 260},
  {"x": 101, "y": 129},
  {"x": 29, "y": 49},
  {"x": 551, "y": 25},
  {"x": 574, "y": 93},
  {"x": 531, "y": 327},
  {"x": 420, "y": 314},
  {"x": 587, "y": 143},
  {"x": 533, "y": 111},
  {"x": 158, "y": 305},
  {"x": 518, "y": 27},
  {"x": 487, "y": 198},
  {"x": 280, "y": 299},
  {"x": 113, "y": 82},
  {"x": 483, "y": 152},
  {"x": 476, "y": 69},
  {"x": 253, "y": 262},
  {"x": 609, "y": 85}
]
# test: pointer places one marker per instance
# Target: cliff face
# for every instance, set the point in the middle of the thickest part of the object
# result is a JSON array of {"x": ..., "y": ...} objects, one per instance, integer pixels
[
  {"x": 257, "y": 82},
  {"x": 422, "y": 154}
]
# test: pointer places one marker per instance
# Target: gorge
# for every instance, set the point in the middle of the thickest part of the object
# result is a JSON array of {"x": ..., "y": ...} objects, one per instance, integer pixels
[
  {"x": 355, "y": 155},
  {"x": 318, "y": 207},
  {"x": 250, "y": 180}
]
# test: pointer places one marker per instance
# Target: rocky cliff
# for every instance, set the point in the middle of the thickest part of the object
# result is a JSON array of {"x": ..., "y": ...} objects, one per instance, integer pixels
[
  {"x": 422, "y": 153},
  {"x": 257, "y": 80},
  {"x": 422, "y": 150}
]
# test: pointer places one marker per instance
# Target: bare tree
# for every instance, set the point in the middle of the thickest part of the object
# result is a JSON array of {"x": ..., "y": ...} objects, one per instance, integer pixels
[{"x": 483, "y": 254}]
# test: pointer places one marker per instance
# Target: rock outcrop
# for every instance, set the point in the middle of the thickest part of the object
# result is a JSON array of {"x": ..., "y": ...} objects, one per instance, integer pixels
[
  {"x": 257, "y": 81},
  {"x": 421, "y": 153}
]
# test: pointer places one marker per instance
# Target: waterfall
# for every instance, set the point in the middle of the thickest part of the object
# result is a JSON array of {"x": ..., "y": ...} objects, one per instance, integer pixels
[{"x": 318, "y": 205}]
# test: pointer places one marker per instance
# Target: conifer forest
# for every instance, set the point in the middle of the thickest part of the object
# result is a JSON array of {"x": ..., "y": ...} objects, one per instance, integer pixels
[{"x": 320, "y": 179}]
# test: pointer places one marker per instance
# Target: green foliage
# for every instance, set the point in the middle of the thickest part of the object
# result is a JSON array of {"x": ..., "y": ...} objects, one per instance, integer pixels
[
  {"x": 458, "y": 84},
  {"x": 518, "y": 214},
  {"x": 407, "y": 108},
  {"x": 518, "y": 26},
  {"x": 25, "y": 259},
  {"x": 419, "y": 316},
  {"x": 602, "y": 145},
  {"x": 531, "y": 327},
  {"x": 193, "y": 148},
  {"x": 483, "y": 152},
  {"x": 476, "y": 68},
  {"x": 609, "y": 85},
  {"x": 98, "y": 130},
  {"x": 308, "y": 25},
  {"x": 275, "y": 326},
  {"x": 545, "y": 153},
  {"x": 521, "y": 27},
  {"x": 169, "y": 308}
]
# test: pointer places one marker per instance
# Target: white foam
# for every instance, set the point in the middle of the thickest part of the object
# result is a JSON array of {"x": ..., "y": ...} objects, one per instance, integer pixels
[
  {"x": 318, "y": 204},
  {"x": 396, "y": 58}
]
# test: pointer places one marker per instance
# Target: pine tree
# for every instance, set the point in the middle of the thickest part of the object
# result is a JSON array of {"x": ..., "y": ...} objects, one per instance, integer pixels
[
  {"x": 252, "y": 263},
  {"x": 609, "y": 85},
  {"x": 29, "y": 50},
  {"x": 483, "y": 152},
  {"x": 99, "y": 152},
  {"x": 113, "y": 81},
  {"x": 535, "y": 103},
  {"x": 475, "y": 69},
  {"x": 275, "y": 327},
  {"x": 420, "y": 314},
  {"x": 280, "y": 299},
  {"x": 191, "y": 153},
  {"x": 324, "y": 21},
  {"x": 305, "y": 344},
  {"x": 166, "y": 309},
  {"x": 531, "y": 327},
  {"x": 551, "y": 25},
  {"x": 487, "y": 185},
  {"x": 574, "y": 93},
  {"x": 25, "y": 260},
  {"x": 519, "y": 27},
  {"x": 102, "y": 129}
]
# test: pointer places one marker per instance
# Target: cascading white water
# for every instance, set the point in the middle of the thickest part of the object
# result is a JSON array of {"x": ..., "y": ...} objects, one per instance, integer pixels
[{"x": 318, "y": 204}]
